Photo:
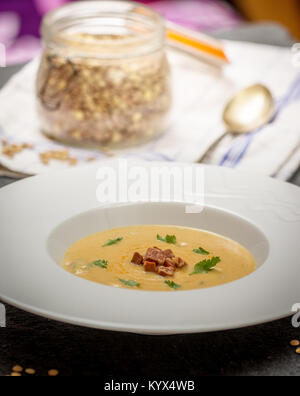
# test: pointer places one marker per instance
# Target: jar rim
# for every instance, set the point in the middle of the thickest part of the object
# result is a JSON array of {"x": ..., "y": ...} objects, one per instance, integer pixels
[{"x": 149, "y": 34}]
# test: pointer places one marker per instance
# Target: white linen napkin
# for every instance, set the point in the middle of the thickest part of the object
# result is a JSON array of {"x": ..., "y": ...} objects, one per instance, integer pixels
[{"x": 196, "y": 132}]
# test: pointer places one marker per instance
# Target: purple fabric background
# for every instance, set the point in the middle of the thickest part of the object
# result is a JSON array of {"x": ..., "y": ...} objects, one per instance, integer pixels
[{"x": 20, "y": 21}]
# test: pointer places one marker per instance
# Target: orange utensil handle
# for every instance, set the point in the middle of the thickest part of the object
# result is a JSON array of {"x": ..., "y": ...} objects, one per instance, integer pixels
[{"x": 197, "y": 44}]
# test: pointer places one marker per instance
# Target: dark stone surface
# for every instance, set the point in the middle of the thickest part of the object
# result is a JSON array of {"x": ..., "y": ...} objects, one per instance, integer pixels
[{"x": 44, "y": 344}]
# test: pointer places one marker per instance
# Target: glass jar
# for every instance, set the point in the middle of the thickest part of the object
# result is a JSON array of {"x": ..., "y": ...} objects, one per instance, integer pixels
[{"x": 104, "y": 77}]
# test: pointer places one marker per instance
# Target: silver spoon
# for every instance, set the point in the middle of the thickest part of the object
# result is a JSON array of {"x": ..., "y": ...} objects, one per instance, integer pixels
[{"x": 249, "y": 110}]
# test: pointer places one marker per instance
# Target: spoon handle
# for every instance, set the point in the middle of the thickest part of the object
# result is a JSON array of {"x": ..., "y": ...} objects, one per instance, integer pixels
[{"x": 240, "y": 147}]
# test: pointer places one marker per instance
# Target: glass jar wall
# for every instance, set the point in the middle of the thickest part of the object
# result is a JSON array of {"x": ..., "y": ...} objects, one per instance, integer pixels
[{"x": 104, "y": 78}]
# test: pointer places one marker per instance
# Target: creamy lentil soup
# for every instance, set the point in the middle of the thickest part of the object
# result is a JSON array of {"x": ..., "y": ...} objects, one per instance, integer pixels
[{"x": 196, "y": 259}]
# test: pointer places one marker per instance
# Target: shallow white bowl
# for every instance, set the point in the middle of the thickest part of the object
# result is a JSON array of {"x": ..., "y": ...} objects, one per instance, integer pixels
[{"x": 42, "y": 216}]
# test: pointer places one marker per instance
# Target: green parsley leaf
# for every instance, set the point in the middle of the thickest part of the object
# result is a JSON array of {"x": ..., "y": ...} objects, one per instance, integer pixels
[
  {"x": 202, "y": 251},
  {"x": 168, "y": 239},
  {"x": 100, "y": 263},
  {"x": 111, "y": 242},
  {"x": 130, "y": 283},
  {"x": 205, "y": 266},
  {"x": 172, "y": 285}
]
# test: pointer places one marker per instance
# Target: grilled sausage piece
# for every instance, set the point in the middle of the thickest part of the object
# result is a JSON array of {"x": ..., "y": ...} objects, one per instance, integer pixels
[
  {"x": 137, "y": 259},
  {"x": 170, "y": 263},
  {"x": 149, "y": 266},
  {"x": 168, "y": 253},
  {"x": 156, "y": 255},
  {"x": 165, "y": 271},
  {"x": 179, "y": 262}
]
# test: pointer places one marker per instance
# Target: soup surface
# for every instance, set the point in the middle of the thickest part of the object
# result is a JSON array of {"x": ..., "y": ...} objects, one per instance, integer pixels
[{"x": 211, "y": 260}]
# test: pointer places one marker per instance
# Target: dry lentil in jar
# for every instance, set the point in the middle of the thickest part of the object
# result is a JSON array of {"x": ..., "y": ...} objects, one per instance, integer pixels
[{"x": 104, "y": 89}]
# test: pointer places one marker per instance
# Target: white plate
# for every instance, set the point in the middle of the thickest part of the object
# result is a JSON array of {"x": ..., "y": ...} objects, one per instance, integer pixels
[{"x": 41, "y": 216}]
